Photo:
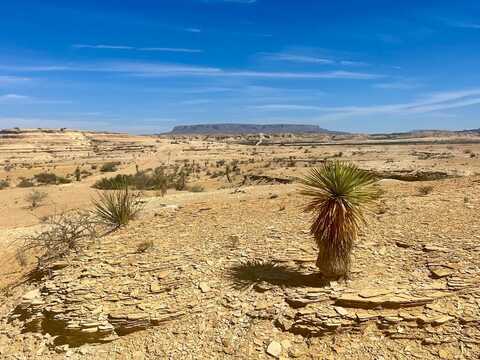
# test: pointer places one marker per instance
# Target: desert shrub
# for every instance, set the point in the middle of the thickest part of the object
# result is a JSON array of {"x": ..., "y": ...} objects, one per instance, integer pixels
[
  {"x": 35, "y": 198},
  {"x": 4, "y": 184},
  {"x": 425, "y": 190},
  {"x": 196, "y": 188},
  {"x": 24, "y": 183},
  {"x": 64, "y": 233},
  {"x": 50, "y": 178},
  {"x": 110, "y": 167},
  {"x": 111, "y": 183},
  {"x": 46, "y": 178},
  {"x": 117, "y": 207},
  {"x": 158, "y": 179}
]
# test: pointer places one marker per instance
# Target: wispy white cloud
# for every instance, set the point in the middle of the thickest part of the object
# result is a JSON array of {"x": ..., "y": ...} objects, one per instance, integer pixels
[
  {"x": 196, "y": 102},
  {"x": 307, "y": 75},
  {"x": 125, "y": 47},
  {"x": 13, "y": 98},
  {"x": 24, "y": 99},
  {"x": 193, "y": 30},
  {"x": 297, "y": 58},
  {"x": 308, "y": 59},
  {"x": 397, "y": 85},
  {"x": 101, "y": 46},
  {"x": 166, "y": 70},
  {"x": 4, "y": 79},
  {"x": 427, "y": 103},
  {"x": 166, "y": 49},
  {"x": 461, "y": 24}
]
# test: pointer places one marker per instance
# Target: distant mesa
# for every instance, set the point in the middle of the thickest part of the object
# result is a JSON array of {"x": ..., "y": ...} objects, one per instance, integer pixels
[{"x": 249, "y": 129}]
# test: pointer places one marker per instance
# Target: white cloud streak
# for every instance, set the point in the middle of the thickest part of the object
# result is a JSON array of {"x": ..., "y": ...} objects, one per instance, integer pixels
[
  {"x": 4, "y": 79},
  {"x": 166, "y": 70},
  {"x": 309, "y": 59},
  {"x": 125, "y": 47},
  {"x": 430, "y": 103}
]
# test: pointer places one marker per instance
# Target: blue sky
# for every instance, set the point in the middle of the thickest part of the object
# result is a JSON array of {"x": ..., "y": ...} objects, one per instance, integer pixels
[{"x": 144, "y": 66}]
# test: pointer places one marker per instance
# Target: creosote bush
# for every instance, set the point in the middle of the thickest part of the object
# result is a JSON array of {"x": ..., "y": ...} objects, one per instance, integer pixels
[
  {"x": 24, "y": 183},
  {"x": 109, "y": 167},
  {"x": 117, "y": 207},
  {"x": 50, "y": 178},
  {"x": 64, "y": 233},
  {"x": 35, "y": 198},
  {"x": 338, "y": 192},
  {"x": 157, "y": 179},
  {"x": 4, "y": 184}
]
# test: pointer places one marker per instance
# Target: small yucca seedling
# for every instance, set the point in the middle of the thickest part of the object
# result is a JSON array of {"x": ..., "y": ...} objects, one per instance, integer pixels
[
  {"x": 117, "y": 207},
  {"x": 339, "y": 192}
]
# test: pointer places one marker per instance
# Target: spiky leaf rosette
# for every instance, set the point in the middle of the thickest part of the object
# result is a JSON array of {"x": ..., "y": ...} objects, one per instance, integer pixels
[
  {"x": 339, "y": 192},
  {"x": 117, "y": 207}
]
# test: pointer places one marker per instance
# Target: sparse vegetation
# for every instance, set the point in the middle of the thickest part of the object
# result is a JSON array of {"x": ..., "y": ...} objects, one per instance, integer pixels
[
  {"x": 157, "y": 179},
  {"x": 196, "y": 188},
  {"x": 425, "y": 190},
  {"x": 338, "y": 193},
  {"x": 117, "y": 207},
  {"x": 24, "y": 183},
  {"x": 4, "y": 184},
  {"x": 64, "y": 233},
  {"x": 35, "y": 198},
  {"x": 50, "y": 178},
  {"x": 110, "y": 166}
]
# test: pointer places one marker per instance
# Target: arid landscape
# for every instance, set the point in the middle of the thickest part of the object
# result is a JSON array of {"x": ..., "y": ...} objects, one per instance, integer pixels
[{"x": 221, "y": 264}]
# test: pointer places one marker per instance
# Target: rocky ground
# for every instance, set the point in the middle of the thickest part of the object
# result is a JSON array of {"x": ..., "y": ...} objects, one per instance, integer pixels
[{"x": 231, "y": 274}]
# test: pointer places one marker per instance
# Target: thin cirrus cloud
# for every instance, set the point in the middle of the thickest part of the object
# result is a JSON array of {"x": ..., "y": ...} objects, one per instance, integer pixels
[
  {"x": 14, "y": 99},
  {"x": 429, "y": 103},
  {"x": 168, "y": 70},
  {"x": 5, "y": 79},
  {"x": 309, "y": 59},
  {"x": 125, "y": 47},
  {"x": 397, "y": 85},
  {"x": 461, "y": 24}
]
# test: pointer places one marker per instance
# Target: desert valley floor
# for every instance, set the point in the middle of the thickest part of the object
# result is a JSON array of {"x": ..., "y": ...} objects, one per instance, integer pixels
[{"x": 230, "y": 273}]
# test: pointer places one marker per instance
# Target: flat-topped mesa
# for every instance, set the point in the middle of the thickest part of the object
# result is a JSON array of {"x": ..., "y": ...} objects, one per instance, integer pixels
[{"x": 248, "y": 129}]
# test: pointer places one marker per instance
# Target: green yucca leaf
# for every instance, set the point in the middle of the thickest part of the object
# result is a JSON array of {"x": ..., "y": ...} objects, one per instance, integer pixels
[
  {"x": 339, "y": 193},
  {"x": 117, "y": 207}
]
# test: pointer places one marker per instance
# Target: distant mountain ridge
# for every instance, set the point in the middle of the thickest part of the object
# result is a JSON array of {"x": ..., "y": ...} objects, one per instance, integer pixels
[{"x": 249, "y": 129}]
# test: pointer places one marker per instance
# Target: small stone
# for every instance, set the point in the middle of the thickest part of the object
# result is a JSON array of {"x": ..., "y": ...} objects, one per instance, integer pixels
[
  {"x": 29, "y": 296},
  {"x": 441, "y": 272},
  {"x": 369, "y": 293},
  {"x": 203, "y": 286},
  {"x": 341, "y": 310},
  {"x": 274, "y": 349},
  {"x": 442, "y": 320},
  {"x": 286, "y": 344},
  {"x": 163, "y": 274},
  {"x": 155, "y": 288}
]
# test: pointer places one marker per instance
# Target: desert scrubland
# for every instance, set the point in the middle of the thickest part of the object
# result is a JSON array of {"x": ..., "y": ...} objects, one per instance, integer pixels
[{"x": 220, "y": 263}]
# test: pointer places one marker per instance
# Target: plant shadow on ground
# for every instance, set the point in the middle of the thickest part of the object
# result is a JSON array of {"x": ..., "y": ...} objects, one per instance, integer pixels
[{"x": 253, "y": 272}]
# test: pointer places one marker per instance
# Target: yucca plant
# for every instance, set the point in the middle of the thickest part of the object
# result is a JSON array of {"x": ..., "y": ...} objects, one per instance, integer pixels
[
  {"x": 117, "y": 207},
  {"x": 338, "y": 192}
]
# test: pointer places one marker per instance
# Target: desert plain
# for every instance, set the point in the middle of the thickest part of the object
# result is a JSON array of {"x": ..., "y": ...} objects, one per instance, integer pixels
[{"x": 229, "y": 267}]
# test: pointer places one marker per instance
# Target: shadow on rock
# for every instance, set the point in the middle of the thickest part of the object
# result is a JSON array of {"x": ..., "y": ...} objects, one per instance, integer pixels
[{"x": 255, "y": 272}]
